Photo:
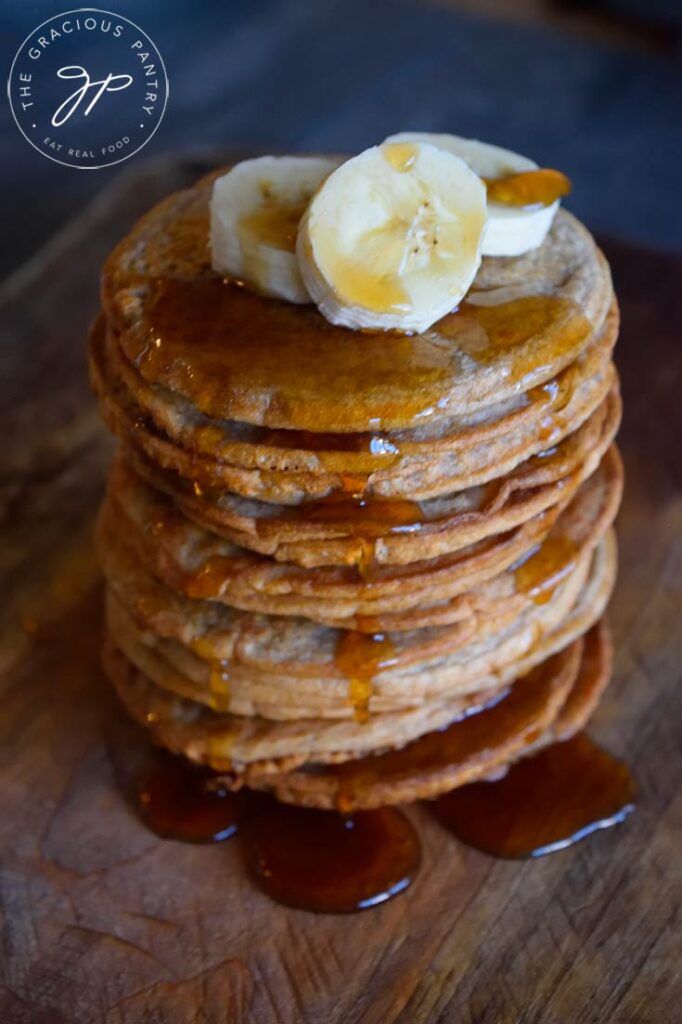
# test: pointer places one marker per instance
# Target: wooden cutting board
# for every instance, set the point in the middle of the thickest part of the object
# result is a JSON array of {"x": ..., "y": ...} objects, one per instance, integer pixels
[{"x": 103, "y": 922}]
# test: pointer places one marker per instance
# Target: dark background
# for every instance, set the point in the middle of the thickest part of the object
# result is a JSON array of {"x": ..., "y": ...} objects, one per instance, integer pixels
[{"x": 593, "y": 89}]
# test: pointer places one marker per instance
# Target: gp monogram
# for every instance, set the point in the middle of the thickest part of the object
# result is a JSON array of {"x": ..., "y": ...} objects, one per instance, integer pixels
[{"x": 88, "y": 88}]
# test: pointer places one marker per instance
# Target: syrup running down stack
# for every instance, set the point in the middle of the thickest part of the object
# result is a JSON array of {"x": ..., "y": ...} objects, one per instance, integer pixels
[{"x": 350, "y": 568}]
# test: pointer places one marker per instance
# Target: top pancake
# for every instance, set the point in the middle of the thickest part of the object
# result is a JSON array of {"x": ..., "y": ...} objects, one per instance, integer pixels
[{"x": 184, "y": 327}]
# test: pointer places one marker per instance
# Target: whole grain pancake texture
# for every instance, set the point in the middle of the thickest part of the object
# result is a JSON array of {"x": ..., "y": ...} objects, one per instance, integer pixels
[{"x": 355, "y": 568}]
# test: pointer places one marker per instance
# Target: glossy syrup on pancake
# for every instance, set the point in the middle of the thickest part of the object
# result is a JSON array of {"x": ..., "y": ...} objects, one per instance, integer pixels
[
  {"x": 202, "y": 334},
  {"x": 543, "y": 804},
  {"x": 365, "y": 517},
  {"x": 545, "y": 566},
  {"x": 199, "y": 334},
  {"x": 361, "y": 654},
  {"x": 360, "y": 657}
]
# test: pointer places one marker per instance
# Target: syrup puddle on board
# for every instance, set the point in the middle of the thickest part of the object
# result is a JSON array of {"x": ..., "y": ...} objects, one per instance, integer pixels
[
  {"x": 330, "y": 863},
  {"x": 175, "y": 800},
  {"x": 543, "y": 804}
]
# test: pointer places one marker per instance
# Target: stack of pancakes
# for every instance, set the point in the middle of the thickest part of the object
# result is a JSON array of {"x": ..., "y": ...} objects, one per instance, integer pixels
[{"x": 356, "y": 568}]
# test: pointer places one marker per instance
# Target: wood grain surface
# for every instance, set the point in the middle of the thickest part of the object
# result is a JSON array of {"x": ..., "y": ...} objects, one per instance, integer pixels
[{"x": 103, "y": 922}]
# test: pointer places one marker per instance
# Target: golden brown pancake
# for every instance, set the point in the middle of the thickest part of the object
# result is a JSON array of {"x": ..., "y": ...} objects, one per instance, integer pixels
[
  {"x": 199, "y": 564},
  {"x": 222, "y": 633},
  {"x": 274, "y": 466},
  {"x": 238, "y": 742},
  {"x": 309, "y": 681},
  {"x": 354, "y": 531}
]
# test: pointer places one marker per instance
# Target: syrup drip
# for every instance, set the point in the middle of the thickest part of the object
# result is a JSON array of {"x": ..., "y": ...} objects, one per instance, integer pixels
[
  {"x": 543, "y": 804},
  {"x": 207, "y": 581},
  {"x": 365, "y": 561},
  {"x": 369, "y": 517},
  {"x": 545, "y": 567},
  {"x": 219, "y": 674},
  {"x": 175, "y": 801},
  {"x": 324, "y": 862},
  {"x": 528, "y": 189},
  {"x": 360, "y": 657},
  {"x": 219, "y": 682},
  {"x": 353, "y": 485}
]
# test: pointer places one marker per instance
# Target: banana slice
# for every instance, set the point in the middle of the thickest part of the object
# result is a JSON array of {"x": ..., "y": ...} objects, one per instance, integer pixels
[
  {"x": 392, "y": 240},
  {"x": 255, "y": 210},
  {"x": 521, "y": 205}
]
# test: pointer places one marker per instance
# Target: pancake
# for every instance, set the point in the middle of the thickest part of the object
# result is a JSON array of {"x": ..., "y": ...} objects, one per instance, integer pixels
[
  {"x": 229, "y": 741},
  {"x": 417, "y": 464},
  {"x": 199, "y": 564},
  {"x": 350, "y": 530},
  {"x": 224, "y": 633},
  {"x": 183, "y": 327},
  {"x": 309, "y": 678}
]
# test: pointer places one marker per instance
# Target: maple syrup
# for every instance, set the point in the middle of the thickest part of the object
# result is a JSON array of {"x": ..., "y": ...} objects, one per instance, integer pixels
[
  {"x": 364, "y": 519},
  {"x": 274, "y": 224},
  {"x": 175, "y": 800},
  {"x": 218, "y": 674},
  {"x": 219, "y": 684},
  {"x": 332, "y": 862},
  {"x": 529, "y": 189},
  {"x": 545, "y": 567},
  {"x": 543, "y": 804},
  {"x": 368, "y": 517},
  {"x": 322, "y": 861},
  {"x": 489, "y": 333},
  {"x": 360, "y": 656},
  {"x": 383, "y": 291},
  {"x": 363, "y": 443},
  {"x": 208, "y": 579},
  {"x": 400, "y": 155},
  {"x": 368, "y": 451}
]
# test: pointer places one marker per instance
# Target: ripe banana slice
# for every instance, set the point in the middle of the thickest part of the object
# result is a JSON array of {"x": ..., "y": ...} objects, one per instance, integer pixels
[
  {"x": 526, "y": 204},
  {"x": 392, "y": 240},
  {"x": 255, "y": 210}
]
